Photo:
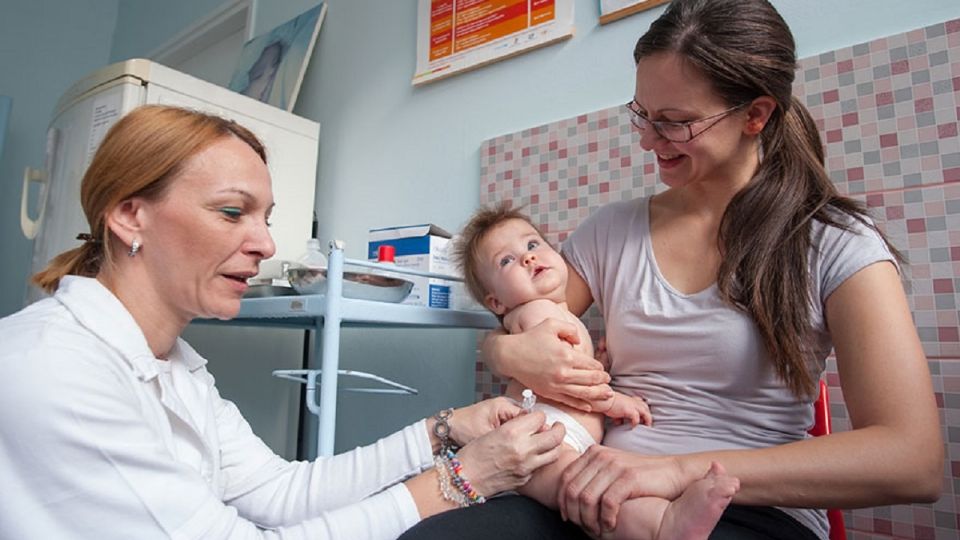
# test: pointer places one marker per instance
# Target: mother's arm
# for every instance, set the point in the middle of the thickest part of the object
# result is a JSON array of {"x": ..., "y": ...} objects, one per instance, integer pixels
[
  {"x": 893, "y": 454},
  {"x": 542, "y": 359}
]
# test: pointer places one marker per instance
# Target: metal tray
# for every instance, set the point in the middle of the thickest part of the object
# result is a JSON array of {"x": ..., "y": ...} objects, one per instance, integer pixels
[{"x": 359, "y": 285}]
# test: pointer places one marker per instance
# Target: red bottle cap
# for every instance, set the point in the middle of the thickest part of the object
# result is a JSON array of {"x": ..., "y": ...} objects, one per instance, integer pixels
[{"x": 385, "y": 253}]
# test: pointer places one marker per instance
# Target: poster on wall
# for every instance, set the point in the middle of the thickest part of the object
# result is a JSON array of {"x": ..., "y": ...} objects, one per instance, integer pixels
[
  {"x": 272, "y": 65},
  {"x": 611, "y": 10},
  {"x": 457, "y": 35}
]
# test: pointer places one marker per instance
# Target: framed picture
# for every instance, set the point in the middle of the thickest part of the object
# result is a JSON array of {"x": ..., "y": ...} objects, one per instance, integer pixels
[
  {"x": 457, "y": 35},
  {"x": 611, "y": 10},
  {"x": 272, "y": 65}
]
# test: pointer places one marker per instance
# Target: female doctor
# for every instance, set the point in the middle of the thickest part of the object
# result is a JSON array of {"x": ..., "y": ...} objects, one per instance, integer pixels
[{"x": 111, "y": 426}]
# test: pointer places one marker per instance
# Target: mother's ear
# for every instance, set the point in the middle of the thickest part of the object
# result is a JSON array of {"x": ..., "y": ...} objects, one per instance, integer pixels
[
  {"x": 758, "y": 114},
  {"x": 126, "y": 220}
]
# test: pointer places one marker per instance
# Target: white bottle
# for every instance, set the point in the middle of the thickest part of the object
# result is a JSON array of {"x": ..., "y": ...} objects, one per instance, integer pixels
[{"x": 313, "y": 257}]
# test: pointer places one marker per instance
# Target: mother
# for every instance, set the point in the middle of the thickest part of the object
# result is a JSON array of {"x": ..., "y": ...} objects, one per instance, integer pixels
[
  {"x": 111, "y": 426},
  {"x": 723, "y": 296}
]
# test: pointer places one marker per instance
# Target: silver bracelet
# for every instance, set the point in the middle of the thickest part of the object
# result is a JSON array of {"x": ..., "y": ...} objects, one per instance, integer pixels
[{"x": 442, "y": 429}]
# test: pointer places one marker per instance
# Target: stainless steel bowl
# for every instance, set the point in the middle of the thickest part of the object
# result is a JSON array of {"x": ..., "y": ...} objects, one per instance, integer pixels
[{"x": 359, "y": 285}]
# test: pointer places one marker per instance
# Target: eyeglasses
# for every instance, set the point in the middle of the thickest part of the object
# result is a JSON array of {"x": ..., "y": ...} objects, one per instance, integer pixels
[{"x": 679, "y": 132}]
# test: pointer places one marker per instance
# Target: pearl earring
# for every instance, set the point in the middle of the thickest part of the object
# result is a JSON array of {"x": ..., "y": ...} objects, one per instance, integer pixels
[{"x": 134, "y": 248}]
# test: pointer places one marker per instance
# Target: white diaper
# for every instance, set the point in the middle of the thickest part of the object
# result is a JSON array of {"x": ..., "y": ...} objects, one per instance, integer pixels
[{"x": 577, "y": 436}]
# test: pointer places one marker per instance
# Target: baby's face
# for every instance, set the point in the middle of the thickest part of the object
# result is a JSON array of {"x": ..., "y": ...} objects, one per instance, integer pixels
[{"x": 517, "y": 266}]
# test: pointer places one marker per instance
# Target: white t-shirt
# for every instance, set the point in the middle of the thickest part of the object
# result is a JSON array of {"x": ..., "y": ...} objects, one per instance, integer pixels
[
  {"x": 700, "y": 363},
  {"x": 99, "y": 439}
]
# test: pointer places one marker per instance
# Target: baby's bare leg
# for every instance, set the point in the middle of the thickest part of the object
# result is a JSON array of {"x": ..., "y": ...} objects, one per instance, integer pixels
[
  {"x": 544, "y": 485},
  {"x": 692, "y": 516}
]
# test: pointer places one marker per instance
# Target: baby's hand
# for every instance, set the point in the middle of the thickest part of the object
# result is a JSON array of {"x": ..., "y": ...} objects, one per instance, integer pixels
[
  {"x": 631, "y": 408},
  {"x": 600, "y": 353}
]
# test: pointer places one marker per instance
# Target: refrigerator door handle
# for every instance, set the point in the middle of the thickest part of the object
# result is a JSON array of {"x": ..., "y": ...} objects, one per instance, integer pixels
[{"x": 31, "y": 227}]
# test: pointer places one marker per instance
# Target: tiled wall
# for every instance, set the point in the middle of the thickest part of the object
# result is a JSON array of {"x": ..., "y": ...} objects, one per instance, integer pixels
[{"x": 888, "y": 112}]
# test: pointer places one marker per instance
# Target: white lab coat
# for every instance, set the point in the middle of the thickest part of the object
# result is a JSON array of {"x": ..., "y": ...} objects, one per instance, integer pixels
[{"x": 99, "y": 439}]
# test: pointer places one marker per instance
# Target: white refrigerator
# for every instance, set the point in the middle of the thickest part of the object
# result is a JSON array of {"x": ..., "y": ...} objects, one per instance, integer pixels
[{"x": 241, "y": 358}]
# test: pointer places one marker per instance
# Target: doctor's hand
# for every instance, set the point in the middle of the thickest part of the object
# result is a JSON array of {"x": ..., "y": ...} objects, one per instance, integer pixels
[
  {"x": 595, "y": 485},
  {"x": 544, "y": 360},
  {"x": 473, "y": 421},
  {"x": 505, "y": 458}
]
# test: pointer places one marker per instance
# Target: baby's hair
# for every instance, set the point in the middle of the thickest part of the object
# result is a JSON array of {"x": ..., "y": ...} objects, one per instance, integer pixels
[{"x": 466, "y": 248}]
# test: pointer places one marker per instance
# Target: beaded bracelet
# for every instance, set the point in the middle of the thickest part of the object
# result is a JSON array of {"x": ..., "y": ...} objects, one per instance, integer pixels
[
  {"x": 450, "y": 474},
  {"x": 455, "y": 468},
  {"x": 446, "y": 488}
]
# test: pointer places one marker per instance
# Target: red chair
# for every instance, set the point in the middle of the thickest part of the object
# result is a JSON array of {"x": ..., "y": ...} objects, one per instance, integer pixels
[{"x": 821, "y": 426}]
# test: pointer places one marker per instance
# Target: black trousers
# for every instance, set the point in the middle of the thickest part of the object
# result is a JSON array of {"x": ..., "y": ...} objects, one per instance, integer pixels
[{"x": 515, "y": 517}]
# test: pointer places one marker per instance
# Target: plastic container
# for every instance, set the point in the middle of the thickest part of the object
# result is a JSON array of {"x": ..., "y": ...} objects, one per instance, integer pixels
[{"x": 313, "y": 257}]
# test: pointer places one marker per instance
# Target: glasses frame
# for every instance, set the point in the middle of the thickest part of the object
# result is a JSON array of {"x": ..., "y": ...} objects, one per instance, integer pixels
[{"x": 638, "y": 120}]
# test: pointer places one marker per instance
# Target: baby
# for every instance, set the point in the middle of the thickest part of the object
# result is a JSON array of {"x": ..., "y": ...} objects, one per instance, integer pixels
[{"x": 513, "y": 271}]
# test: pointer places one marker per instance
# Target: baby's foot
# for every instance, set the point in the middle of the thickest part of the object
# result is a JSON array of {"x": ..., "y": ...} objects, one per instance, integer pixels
[{"x": 694, "y": 514}]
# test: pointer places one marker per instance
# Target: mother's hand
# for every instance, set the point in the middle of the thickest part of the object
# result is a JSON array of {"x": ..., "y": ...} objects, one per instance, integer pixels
[
  {"x": 504, "y": 458},
  {"x": 595, "y": 485},
  {"x": 543, "y": 360}
]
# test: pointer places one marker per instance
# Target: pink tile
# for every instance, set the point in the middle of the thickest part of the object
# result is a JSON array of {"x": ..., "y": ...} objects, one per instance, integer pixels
[
  {"x": 952, "y": 26},
  {"x": 844, "y": 66},
  {"x": 885, "y": 98},
  {"x": 943, "y": 285},
  {"x": 951, "y": 175},
  {"x": 834, "y": 135},
  {"x": 916, "y": 225},
  {"x": 855, "y": 173},
  {"x": 930, "y": 163},
  {"x": 894, "y": 212},
  {"x": 888, "y": 139},
  {"x": 905, "y": 123},
  {"x": 923, "y": 105},
  {"x": 850, "y": 119},
  {"x": 948, "y": 318},
  {"x": 947, "y": 130},
  {"x": 899, "y": 67},
  {"x": 883, "y": 526},
  {"x": 831, "y": 96}
]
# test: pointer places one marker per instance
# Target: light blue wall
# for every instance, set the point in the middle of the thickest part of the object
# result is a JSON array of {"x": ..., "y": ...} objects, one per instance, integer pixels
[
  {"x": 145, "y": 25},
  {"x": 45, "y": 45},
  {"x": 392, "y": 154}
]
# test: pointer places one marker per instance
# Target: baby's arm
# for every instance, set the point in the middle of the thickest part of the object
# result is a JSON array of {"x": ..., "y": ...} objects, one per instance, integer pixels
[
  {"x": 532, "y": 313},
  {"x": 632, "y": 408}
]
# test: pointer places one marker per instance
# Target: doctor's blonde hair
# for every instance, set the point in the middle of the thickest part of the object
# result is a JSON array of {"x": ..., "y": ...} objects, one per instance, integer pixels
[{"x": 139, "y": 157}]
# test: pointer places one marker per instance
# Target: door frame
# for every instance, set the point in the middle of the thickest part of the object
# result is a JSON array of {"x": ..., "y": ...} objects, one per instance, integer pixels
[{"x": 230, "y": 17}]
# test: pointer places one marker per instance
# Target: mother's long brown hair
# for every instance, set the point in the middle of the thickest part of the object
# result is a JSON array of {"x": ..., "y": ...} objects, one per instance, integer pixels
[
  {"x": 746, "y": 50},
  {"x": 139, "y": 157}
]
